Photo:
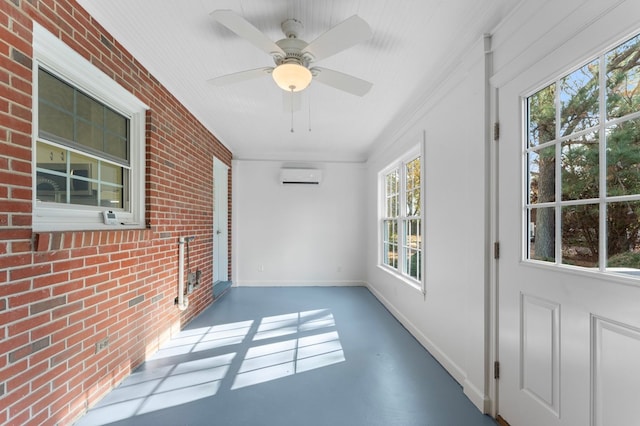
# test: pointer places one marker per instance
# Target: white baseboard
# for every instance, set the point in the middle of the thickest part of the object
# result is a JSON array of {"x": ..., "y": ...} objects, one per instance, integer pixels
[
  {"x": 456, "y": 372},
  {"x": 477, "y": 397}
]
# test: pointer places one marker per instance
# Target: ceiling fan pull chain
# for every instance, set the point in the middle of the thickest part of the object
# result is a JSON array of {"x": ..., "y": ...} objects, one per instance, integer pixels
[
  {"x": 292, "y": 87},
  {"x": 309, "y": 111}
]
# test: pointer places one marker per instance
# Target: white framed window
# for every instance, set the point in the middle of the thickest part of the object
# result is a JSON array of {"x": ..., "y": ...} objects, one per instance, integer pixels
[
  {"x": 401, "y": 218},
  {"x": 582, "y": 173},
  {"x": 88, "y": 143}
]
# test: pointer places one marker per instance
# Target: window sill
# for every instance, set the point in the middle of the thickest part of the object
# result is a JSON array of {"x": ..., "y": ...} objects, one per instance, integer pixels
[
  {"x": 394, "y": 273},
  {"x": 66, "y": 240}
]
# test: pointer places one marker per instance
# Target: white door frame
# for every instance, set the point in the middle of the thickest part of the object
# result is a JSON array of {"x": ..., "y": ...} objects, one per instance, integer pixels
[
  {"x": 220, "y": 221},
  {"x": 494, "y": 248}
]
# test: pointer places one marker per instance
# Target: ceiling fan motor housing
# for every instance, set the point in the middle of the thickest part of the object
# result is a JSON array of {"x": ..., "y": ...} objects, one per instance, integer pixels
[
  {"x": 293, "y": 49},
  {"x": 291, "y": 28}
]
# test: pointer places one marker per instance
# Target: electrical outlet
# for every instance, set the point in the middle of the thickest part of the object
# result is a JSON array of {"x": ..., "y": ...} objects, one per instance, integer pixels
[
  {"x": 102, "y": 344},
  {"x": 261, "y": 268},
  {"x": 191, "y": 282}
]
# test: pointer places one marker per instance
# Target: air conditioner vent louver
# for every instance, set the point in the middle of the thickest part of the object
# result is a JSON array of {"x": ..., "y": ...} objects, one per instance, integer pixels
[{"x": 300, "y": 176}]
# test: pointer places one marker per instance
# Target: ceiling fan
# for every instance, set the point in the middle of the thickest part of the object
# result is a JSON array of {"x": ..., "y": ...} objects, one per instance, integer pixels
[{"x": 294, "y": 57}]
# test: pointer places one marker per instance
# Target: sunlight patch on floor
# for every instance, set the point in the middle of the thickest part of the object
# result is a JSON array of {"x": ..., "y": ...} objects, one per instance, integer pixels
[
  {"x": 150, "y": 390},
  {"x": 241, "y": 354}
]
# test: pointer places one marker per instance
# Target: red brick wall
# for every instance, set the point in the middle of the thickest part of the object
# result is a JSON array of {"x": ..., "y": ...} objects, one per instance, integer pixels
[{"x": 63, "y": 292}]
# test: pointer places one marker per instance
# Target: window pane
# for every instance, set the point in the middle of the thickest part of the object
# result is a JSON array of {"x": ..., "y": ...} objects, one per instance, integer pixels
[
  {"x": 48, "y": 154},
  {"x": 579, "y": 99},
  {"x": 623, "y": 158},
  {"x": 83, "y": 166},
  {"x": 580, "y": 168},
  {"x": 542, "y": 116},
  {"x": 542, "y": 175},
  {"x": 413, "y": 248},
  {"x": 543, "y": 230},
  {"x": 83, "y": 171},
  {"x": 110, "y": 173},
  {"x": 112, "y": 178},
  {"x": 54, "y": 91},
  {"x": 111, "y": 196},
  {"x": 413, "y": 187},
  {"x": 55, "y": 122},
  {"x": 392, "y": 194},
  {"x": 623, "y": 77},
  {"x": 391, "y": 243},
  {"x": 623, "y": 234},
  {"x": 79, "y": 120},
  {"x": 413, "y": 202},
  {"x": 116, "y": 123},
  {"x": 89, "y": 109},
  {"x": 391, "y": 180},
  {"x": 116, "y": 146},
  {"x": 580, "y": 225},
  {"x": 393, "y": 206},
  {"x": 89, "y": 136},
  {"x": 51, "y": 187},
  {"x": 81, "y": 180}
]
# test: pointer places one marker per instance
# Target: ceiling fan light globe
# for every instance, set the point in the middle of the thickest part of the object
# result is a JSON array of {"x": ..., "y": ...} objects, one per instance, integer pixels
[{"x": 292, "y": 77}]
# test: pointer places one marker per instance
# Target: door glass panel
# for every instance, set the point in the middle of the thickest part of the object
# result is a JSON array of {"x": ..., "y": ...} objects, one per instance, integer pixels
[
  {"x": 623, "y": 158},
  {"x": 623, "y": 234},
  {"x": 542, "y": 116},
  {"x": 542, "y": 234},
  {"x": 579, "y": 99},
  {"x": 623, "y": 79},
  {"x": 580, "y": 225},
  {"x": 580, "y": 167},
  {"x": 542, "y": 175}
]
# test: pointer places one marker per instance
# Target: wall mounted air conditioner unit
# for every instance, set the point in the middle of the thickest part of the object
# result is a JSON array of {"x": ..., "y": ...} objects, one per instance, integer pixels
[{"x": 300, "y": 176}]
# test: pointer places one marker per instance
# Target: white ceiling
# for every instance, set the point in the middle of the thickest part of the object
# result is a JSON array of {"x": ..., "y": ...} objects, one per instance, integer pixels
[{"x": 414, "y": 45}]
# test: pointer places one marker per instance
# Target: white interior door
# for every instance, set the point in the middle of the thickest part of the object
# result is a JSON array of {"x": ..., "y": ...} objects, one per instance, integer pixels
[
  {"x": 569, "y": 337},
  {"x": 220, "y": 221}
]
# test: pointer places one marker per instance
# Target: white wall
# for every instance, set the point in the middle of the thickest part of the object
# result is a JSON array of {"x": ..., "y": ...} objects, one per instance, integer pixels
[
  {"x": 298, "y": 234},
  {"x": 450, "y": 320}
]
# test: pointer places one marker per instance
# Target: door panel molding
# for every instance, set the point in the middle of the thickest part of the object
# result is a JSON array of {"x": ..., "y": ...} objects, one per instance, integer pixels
[{"x": 540, "y": 351}]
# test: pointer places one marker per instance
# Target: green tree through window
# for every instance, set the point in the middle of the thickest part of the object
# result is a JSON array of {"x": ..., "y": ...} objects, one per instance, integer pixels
[{"x": 567, "y": 125}]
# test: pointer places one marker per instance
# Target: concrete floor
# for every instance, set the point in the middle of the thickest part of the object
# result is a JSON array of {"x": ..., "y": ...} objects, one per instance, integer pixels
[{"x": 290, "y": 356}]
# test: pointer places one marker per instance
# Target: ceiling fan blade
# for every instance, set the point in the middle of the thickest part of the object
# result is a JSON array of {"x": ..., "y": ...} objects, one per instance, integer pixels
[
  {"x": 341, "y": 81},
  {"x": 348, "y": 33},
  {"x": 238, "y": 77},
  {"x": 246, "y": 30}
]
